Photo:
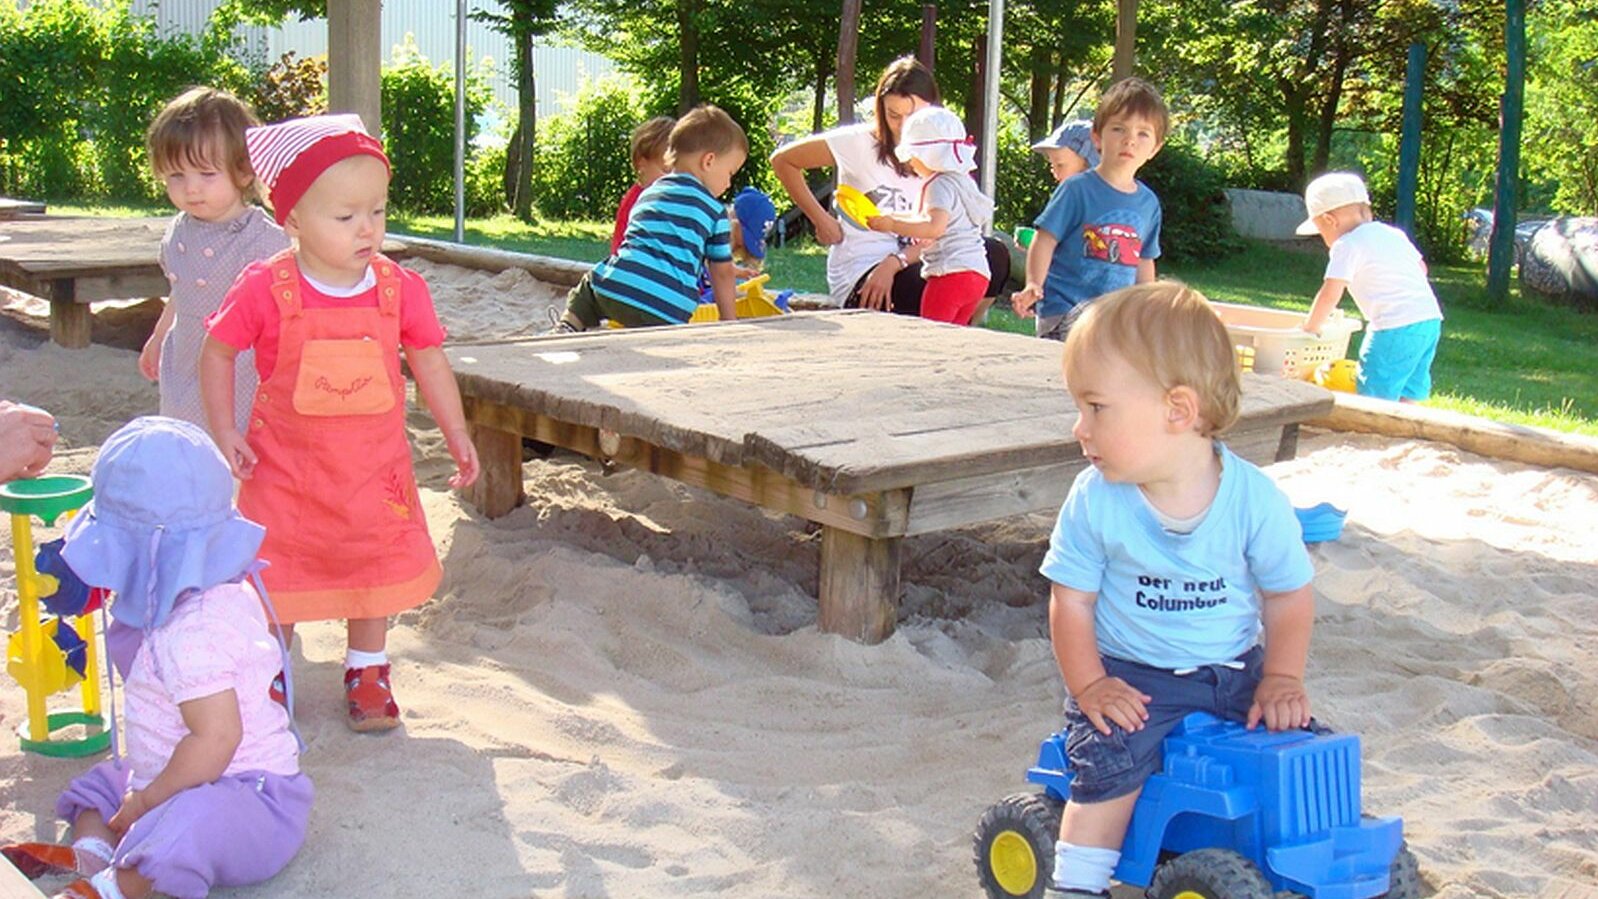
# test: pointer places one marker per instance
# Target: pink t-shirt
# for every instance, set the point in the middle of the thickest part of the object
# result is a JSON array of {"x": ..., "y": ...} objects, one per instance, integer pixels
[
  {"x": 249, "y": 317},
  {"x": 213, "y": 641}
]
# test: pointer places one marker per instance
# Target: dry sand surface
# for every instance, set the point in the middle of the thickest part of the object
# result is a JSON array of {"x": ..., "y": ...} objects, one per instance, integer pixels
[{"x": 620, "y": 690}]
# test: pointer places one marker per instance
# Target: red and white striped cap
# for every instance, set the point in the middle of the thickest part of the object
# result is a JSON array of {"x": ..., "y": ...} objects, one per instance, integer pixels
[{"x": 289, "y": 156}]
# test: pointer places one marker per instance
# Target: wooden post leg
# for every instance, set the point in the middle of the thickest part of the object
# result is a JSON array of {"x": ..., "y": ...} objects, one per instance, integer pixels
[
  {"x": 1288, "y": 447},
  {"x": 69, "y": 319},
  {"x": 498, "y": 488},
  {"x": 859, "y": 585}
]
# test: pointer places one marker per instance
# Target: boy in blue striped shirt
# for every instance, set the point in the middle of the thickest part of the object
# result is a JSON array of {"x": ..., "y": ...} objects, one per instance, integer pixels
[{"x": 678, "y": 224}]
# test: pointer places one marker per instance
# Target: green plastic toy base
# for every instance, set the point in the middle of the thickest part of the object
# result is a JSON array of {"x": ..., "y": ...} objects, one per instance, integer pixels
[
  {"x": 68, "y": 749},
  {"x": 45, "y": 497}
]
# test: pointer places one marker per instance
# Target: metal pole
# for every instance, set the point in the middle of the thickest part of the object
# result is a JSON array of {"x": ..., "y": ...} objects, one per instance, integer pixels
[
  {"x": 1409, "y": 140},
  {"x": 990, "y": 118},
  {"x": 1501, "y": 253},
  {"x": 460, "y": 121}
]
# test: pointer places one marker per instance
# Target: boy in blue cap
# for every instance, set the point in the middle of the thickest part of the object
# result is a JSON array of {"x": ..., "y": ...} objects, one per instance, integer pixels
[
  {"x": 752, "y": 217},
  {"x": 1069, "y": 149}
]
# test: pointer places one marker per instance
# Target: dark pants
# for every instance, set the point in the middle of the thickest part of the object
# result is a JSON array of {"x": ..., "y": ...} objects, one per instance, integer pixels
[
  {"x": 588, "y": 308},
  {"x": 1111, "y": 765},
  {"x": 908, "y": 284}
]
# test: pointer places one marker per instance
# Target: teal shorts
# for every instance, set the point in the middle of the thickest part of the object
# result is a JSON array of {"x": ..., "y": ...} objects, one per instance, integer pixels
[{"x": 1397, "y": 363}]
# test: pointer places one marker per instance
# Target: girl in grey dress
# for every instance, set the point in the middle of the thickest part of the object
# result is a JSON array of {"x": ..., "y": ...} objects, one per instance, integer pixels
[{"x": 197, "y": 148}]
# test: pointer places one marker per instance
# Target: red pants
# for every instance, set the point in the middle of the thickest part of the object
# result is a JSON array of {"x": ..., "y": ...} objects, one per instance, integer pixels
[{"x": 953, "y": 298}]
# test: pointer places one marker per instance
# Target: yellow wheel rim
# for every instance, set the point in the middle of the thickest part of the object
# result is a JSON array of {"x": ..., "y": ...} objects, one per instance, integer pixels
[
  {"x": 1014, "y": 865},
  {"x": 1189, "y": 894}
]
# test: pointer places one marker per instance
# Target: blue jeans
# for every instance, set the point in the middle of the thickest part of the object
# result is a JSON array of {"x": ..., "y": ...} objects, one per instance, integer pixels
[{"x": 1112, "y": 765}]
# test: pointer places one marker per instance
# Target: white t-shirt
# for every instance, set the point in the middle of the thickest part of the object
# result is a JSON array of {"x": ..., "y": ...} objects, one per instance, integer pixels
[
  {"x": 1385, "y": 276},
  {"x": 854, "y": 149},
  {"x": 961, "y": 248}
]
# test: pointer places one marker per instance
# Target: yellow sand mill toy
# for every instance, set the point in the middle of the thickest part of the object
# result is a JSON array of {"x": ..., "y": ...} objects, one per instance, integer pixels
[{"x": 53, "y": 654}]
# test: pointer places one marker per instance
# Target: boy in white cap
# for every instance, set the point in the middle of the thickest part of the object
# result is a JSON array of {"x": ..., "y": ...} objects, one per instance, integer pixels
[
  {"x": 1386, "y": 275},
  {"x": 325, "y": 464},
  {"x": 1069, "y": 149},
  {"x": 949, "y": 218}
]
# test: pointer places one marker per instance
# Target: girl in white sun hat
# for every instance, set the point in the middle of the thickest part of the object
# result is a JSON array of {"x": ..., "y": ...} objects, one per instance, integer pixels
[{"x": 950, "y": 217}]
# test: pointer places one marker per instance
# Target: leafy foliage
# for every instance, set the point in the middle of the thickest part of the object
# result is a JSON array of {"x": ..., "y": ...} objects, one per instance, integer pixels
[
  {"x": 419, "y": 128},
  {"x": 291, "y": 88},
  {"x": 582, "y": 167},
  {"x": 1197, "y": 223}
]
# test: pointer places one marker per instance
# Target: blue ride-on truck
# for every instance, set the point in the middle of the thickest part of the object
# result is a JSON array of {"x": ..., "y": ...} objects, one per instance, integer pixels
[{"x": 1233, "y": 814}]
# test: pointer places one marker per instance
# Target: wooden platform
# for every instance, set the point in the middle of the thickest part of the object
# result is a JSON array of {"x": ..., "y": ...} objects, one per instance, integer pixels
[
  {"x": 75, "y": 261},
  {"x": 874, "y": 426}
]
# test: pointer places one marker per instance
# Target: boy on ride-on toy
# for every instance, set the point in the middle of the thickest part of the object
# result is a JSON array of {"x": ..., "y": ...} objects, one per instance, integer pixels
[{"x": 1170, "y": 559}]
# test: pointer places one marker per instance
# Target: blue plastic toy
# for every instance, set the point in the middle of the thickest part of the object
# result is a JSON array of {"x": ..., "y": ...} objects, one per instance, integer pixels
[
  {"x": 1233, "y": 814},
  {"x": 1321, "y": 523}
]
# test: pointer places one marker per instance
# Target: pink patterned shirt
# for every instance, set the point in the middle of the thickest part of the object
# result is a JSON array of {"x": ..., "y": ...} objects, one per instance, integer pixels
[{"x": 213, "y": 641}]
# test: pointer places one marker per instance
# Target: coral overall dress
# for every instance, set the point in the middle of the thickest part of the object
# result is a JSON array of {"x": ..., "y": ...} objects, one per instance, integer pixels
[{"x": 345, "y": 533}]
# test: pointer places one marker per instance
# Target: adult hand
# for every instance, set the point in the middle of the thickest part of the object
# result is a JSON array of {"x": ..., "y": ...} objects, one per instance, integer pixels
[
  {"x": 828, "y": 231},
  {"x": 1112, "y": 699},
  {"x": 877, "y": 290},
  {"x": 27, "y": 438}
]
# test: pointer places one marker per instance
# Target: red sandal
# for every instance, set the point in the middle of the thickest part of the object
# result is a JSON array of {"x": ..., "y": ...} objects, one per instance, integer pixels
[
  {"x": 371, "y": 701},
  {"x": 36, "y": 860}
]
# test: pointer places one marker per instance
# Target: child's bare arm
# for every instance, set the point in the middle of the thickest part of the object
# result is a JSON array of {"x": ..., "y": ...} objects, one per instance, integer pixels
[
  {"x": 216, "y": 396},
  {"x": 1331, "y": 293},
  {"x": 1076, "y": 650},
  {"x": 436, "y": 383},
  {"x": 929, "y": 227},
  {"x": 150, "y": 356},
  {"x": 1145, "y": 271},
  {"x": 215, "y": 730},
  {"x": 1280, "y": 700},
  {"x": 1038, "y": 257},
  {"x": 724, "y": 287}
]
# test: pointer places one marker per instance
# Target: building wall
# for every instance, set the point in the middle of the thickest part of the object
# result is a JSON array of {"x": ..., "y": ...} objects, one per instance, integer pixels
[{"x": 431, "y": 23}]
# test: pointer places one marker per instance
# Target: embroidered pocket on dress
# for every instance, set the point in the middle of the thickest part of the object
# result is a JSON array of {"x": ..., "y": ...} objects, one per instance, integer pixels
[{"x": 342, "y": 377}]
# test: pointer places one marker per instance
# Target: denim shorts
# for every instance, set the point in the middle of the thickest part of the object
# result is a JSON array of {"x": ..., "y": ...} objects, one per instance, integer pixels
[
  {"x": 1397, "y": 363},
  {"x": 1109, "y": 766}
]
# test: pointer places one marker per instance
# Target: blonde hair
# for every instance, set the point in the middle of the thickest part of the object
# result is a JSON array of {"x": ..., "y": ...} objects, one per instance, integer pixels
[
  {"x": 1168, "y": 332},
  {"x": 649, "y": 139},
  {"x": 704, "y": 129},
  {"x": 1133, "y": 96},
  {"x": 198, "y": 123}
]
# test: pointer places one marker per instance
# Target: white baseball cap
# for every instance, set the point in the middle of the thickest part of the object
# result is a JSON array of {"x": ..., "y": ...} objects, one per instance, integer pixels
[{"x": 1333, "y": 190}]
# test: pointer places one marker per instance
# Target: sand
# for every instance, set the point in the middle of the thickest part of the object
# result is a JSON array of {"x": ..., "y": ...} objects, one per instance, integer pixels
[{"x": 620, "y": 689}]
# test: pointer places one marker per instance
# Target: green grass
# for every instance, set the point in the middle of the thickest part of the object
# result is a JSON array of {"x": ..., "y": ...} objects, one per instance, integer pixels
[{"x": 1526, "y": 363}]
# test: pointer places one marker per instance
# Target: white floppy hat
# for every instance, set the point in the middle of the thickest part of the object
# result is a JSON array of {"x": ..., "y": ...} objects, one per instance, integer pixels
[
  {"x": 937, "y": 137},
  {"x": 1333, "y": 190}
]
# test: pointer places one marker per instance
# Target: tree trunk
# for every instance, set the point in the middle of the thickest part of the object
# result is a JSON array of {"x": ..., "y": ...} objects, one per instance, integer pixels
[
  {"x": 1038, "y": 103},
  {"x": 688, "y": 31},
  {"x": 927, "y": 52},
  {"x": 1294, "y": 107},
  {"x": 1334, "y": 92},
  {"x": 976, "y": 106},
  {"x": 1058, "y": 115},
  {"x": 526, "y": 141},
  {"x": 1125, "y": 38},
  {"x": 819, "y": 110},
  {"x": 848, "y": 46}
]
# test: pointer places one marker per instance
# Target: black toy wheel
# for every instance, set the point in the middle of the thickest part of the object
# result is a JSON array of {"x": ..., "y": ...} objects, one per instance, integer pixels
[
  {"x": 1403, "y": 882},
  {"x": 1209, "y": 874},
  {"x": 1014, "y": 846}
]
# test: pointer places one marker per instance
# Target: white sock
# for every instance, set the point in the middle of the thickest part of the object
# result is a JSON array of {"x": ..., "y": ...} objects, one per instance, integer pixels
[
  {"x": 1085, "y": 868},
  {"x": 354, "y": 658},
  {"x": 98, "y": 850},
  {"x": 105, "y": 883}
]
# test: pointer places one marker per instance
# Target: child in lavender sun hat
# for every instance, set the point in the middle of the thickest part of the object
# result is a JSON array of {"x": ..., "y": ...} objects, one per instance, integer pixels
[{"x": 210, "y": 793}]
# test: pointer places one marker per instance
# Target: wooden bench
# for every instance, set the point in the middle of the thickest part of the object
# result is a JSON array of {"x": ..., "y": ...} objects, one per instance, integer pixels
[{"x": 876, "y": 427}]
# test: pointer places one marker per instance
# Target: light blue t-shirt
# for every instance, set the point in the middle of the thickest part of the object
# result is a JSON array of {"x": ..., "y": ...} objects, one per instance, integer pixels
[
  {"x": 1103, "y": 234},
  {"x": 1172, "y": 600}
]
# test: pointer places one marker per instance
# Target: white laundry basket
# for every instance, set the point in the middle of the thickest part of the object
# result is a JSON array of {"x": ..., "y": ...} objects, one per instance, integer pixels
[{"x": 1280, "y": 346}]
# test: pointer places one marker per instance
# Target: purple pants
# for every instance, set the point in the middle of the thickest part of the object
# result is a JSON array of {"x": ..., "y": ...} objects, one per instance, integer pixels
[{"x": 240, "y": 830}]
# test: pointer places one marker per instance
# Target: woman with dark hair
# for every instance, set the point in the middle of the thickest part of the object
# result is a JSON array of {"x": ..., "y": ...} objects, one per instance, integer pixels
[{"x": 872, "y": 269}]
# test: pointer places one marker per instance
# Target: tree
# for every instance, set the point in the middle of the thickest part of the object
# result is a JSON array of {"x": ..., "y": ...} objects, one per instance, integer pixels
[{"x": 523, "y": 22}]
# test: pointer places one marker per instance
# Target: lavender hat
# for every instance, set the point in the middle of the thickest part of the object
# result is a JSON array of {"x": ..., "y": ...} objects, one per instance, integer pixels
[{"x": 161, "y": 522}]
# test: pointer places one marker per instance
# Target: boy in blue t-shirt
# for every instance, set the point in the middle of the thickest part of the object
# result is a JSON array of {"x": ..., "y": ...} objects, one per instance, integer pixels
[
  {"x": 678, "y": 223},
  {"x": 1101, "y": 229},
  {"x": 1170, "y": 560}
]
